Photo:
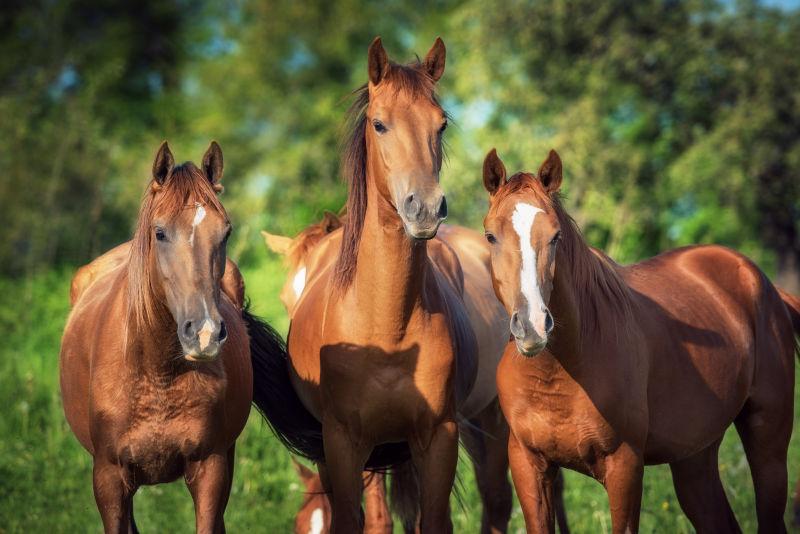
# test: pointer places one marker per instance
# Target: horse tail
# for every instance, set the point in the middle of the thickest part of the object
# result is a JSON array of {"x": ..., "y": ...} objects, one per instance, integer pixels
[
  {"x": 405, "y": 495},
  {"x": 274, "y": 395},
  {"x": 792, "y": 304},
  {"x": 287, "y": 416}
]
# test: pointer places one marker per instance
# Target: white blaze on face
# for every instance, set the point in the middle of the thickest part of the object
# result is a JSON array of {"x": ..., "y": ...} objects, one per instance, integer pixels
[
  {"x": 199, "y": 215},
  {"x": 317, "y": 522},
  {"x": 299, "y": 282},
  {"x": 523, "y": 217}
]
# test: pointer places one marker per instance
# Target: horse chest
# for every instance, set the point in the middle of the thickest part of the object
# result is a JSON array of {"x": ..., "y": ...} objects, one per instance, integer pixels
[
  {"x": 552, "y": 415},
  {"x": 164, "y": 427}
]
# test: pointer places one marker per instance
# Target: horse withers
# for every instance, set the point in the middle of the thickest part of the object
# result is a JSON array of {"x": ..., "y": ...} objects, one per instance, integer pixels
[
  {"x": 156, "y": 377},
  {"x": 612, "y": 368}
]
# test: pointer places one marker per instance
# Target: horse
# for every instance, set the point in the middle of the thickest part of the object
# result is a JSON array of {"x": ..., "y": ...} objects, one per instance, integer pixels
[
  {"x": 155, "y": 370},
  {"x": 303, "y": 257},
  {"x": 381, "y": 347},
  {"x": 296, "y": 252},
  {"x": 610, "y": 368},
  {"x": 314, "y": 516}
]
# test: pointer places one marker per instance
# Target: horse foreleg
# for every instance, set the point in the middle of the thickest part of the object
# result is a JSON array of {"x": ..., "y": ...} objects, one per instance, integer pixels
[
  {"x": 488, "y": 450},
  {"x": 114, "y": 497},
  {"x": 534, "y": 477},
  {"x": 345, "y": 457},
  {"x": 436, "y": 466},
  {"x": 209, "y": 483},
  {"x": 624, "y": 470}
]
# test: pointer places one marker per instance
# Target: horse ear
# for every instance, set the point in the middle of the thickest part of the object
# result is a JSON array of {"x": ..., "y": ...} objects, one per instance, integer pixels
[
  {"x": 330, "y": 221},
  {"x": 550, "y": 172},
  {"x": 163, "y": 163},
  {"x": 434, "y": 61},
  {"x": 277, "y": 243},
  {"x": 494, "y": 172},
  {"x": 212, "y": 163},
  {"x": 305, "y": 474},
  {"x": 378, "y": 61}
]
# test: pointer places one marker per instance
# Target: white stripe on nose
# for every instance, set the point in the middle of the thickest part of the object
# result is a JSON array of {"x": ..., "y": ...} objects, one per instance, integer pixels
[
  {"x": 523, "y": 218},
  {"x": 204, "y": 336}
]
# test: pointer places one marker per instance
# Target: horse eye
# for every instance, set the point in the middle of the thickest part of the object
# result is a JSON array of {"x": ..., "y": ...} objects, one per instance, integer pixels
[
  {"x": 444, "y": 127},
  {"x": 556, "y": 238},
  {"x": 227, "y": 235},
  {"x": 379, "y": 126},
  {"x": 160, "y": 235},
  {"x": 490, "y": 238}
]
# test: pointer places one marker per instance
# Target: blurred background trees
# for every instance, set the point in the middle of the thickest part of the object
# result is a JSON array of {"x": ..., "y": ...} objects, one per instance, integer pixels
[{"x": 678, "y": 121}]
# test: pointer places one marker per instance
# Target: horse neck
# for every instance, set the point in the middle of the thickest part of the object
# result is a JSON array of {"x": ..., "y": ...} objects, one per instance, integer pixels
[
  {"x": 579, "y": 303},
  {"x": 148, "y": 347},
  {"x": 390, "y": 272}
]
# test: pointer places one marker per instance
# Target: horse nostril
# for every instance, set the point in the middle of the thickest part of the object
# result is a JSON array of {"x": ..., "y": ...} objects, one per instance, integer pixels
[
  {"x": 517, "y": 328},
  {"x": 548, "y": 322},
  {"x": 412, "y": 207},
  {"x": 223, "y": 333},
  {"x": 442, "y": 211},
  {"x": 187, "y": 329}
]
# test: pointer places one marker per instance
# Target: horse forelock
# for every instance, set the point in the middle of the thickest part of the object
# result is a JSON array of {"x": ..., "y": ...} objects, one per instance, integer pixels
[
  {"x": 411, "y": 79},
  {"x": 186, "y": 186}
]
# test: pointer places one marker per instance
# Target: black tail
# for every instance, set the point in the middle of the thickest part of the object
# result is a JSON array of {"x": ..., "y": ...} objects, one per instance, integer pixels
[
  {"x": 276, "y": 399},
  {"x": 274, "y": 395}
]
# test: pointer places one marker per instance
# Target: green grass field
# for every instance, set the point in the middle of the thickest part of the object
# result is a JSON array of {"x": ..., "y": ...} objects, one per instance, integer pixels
[{"x": 45, "y": 476}]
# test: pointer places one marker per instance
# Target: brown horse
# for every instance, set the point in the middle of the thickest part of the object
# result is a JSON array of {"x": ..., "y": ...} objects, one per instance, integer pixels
[
  {"x": 382, "y": 349},
  {"x": 486, "y": 435},
  {"x": 155, "y": 369},
  {"x": 612, "y": 368},
  {"x": 314, "y": 516}
]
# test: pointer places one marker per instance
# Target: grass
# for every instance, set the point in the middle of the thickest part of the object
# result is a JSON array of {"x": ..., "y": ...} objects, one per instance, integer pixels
[{"x": 45, "y": 476}]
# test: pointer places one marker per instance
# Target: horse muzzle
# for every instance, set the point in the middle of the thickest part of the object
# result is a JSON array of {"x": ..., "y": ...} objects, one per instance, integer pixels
[
  {"x": 530, "y": 342},
  {"x": 421, "y": 217},
  {"x": 202, "y": 340}
]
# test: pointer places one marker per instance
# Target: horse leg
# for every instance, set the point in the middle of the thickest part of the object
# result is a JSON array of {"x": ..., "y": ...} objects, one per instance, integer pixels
[
  {"x": 208, "y": 482},
  {"x": 624, "y": 470},
  {"x": 765, "y": 429},
  {"x": 700, "y": 492},
  {"x": 345, "y": 460},
  {"x": 488, "y": 448},
  {"x": 113, "y": 496},
  {"x": 558, "y": 502},
  {"x": 436, "y": 465},
  {"x": 533, "y": 478},
  {"x": 378, "y": 519}
]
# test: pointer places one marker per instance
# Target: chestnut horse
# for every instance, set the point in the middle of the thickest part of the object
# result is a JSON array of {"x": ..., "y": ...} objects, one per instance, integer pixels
[
  {"x": 155, "y": 366},
  {"x": 486, "y": 436},
  {"x": 612, "y": 368},
  {"x": 314, "y": 516},
  {"x": 381, "y": 347}
]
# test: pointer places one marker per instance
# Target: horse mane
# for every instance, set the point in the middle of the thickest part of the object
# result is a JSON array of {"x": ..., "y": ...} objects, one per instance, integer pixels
[
  {"x": 410, "y": 78},
  {"x": 183, "y": 187},
  {"x": 600, "y": 290},
  {"x": 309, "y": 237}
]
